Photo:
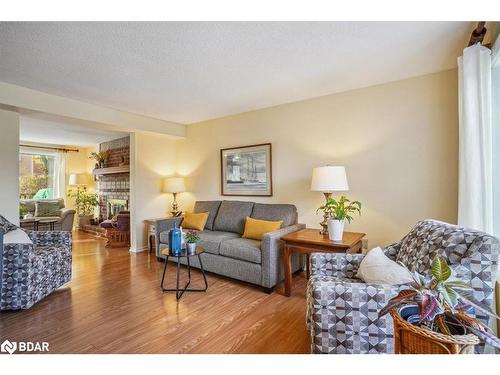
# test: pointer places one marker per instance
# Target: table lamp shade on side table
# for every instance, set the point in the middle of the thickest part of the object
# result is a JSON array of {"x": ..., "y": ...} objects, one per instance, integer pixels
[
  {"x": 174, "y": 185},
  {"x": 327, "y": 180}
]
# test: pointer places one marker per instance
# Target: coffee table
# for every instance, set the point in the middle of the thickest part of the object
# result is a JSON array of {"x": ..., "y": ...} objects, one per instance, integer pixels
[
  {"x": 32, "y": 220},
  {"x": 51, "y": 222},
  {"x": 183, "y": 254}
]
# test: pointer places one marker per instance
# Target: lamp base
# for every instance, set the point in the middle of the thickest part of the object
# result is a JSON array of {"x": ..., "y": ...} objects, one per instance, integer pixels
[
  {"x": 175, "y": 208},
  {"x": 324, "y": 223}
]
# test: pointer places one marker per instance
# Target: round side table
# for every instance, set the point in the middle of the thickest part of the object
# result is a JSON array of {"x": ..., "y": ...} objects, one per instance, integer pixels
[{"x": 183, "y": 254}]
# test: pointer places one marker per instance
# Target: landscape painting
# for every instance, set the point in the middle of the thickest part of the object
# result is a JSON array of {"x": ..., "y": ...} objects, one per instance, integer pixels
[{"x": 247, "y": 170}]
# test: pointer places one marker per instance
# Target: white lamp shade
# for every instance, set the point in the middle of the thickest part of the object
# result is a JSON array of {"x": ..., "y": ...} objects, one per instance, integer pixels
[
  {"x": 79, "y": 179},
  {"x": 329, "y": 179},
  {"x": 174, "y": 185}
]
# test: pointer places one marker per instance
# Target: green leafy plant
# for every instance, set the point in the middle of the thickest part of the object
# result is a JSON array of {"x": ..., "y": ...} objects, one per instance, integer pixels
[
  {"x": 84, "y": 202},
  {"x": 23, "y": 210},
  {"x": 443, "y": 298},
  {"x": 341, "y": 209},
  {"x": 29, "y": 185},
  {"x": 99, "y": 156},
  {"x": 192, "y": 236}
]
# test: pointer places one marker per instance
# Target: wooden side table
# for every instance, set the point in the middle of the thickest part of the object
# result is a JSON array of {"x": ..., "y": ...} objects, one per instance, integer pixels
[
  {"x": 151, "y": 229},
  {"x": 308, "y": 241}
]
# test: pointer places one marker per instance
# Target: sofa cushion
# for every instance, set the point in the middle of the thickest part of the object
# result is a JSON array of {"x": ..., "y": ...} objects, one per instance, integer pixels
[
  {"x": 17, "y": 236},
  {"x": 242, "y": 249},
  {"x": 377, "y": 268},
  {"x": 211, "y": 240},
  {"x": 232, "y": 215},
  {"x": 195, "y": 221},
  {"x": 255, "y": 229},
  {"x": 47, "y": 208},
  {"x": 275, "y": 212},
  {"x": 208, "y": 206}
]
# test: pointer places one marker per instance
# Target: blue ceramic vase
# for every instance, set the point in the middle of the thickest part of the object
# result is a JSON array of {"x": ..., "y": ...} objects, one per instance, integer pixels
[{"x": 174, "y": 240}]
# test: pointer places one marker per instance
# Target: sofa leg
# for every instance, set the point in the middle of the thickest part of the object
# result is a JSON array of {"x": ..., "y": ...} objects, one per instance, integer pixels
[{"x": 268, "y": 290}]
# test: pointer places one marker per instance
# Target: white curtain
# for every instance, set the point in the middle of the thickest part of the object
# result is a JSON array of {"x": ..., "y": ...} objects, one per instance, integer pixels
[
  {"x": 60, "y": 175},
  {"x": 479, "y": 139}
]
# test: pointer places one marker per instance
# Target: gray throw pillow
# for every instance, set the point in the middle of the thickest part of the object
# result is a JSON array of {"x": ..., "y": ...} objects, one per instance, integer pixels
[
  {"x": 6, "y": 225},
  {"x": 47, "y": 208}
]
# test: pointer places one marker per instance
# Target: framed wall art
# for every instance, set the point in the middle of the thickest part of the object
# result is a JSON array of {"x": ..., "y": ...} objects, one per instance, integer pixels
[{"x": 247, "y": 170}]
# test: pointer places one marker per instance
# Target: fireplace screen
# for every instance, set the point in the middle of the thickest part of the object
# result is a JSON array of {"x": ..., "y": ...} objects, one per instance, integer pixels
[{"x": 115, "y": 206}]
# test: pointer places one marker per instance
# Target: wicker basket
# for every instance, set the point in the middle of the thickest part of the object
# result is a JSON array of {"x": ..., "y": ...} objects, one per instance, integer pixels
[{"x": 411, "y": 339}]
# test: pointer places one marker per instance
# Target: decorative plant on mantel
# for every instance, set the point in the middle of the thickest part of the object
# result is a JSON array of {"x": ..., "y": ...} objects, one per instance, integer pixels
[
  {"x": 443, "y": 302},
  {"x": 338, "y": 212},
  {"x": 99, "y": 157}
]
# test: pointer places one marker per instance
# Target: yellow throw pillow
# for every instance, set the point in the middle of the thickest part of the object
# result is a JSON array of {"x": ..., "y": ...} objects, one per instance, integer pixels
[
  {"x": 195, "y": 221},
  {"x": 255, "y": 229}
]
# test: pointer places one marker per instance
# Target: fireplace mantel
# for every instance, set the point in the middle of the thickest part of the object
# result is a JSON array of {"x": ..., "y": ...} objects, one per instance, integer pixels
[{"x": 111, "y": 170}]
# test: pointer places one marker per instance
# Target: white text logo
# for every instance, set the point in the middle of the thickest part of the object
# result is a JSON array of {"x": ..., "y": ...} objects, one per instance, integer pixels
[{"x": 24, "y": 346}]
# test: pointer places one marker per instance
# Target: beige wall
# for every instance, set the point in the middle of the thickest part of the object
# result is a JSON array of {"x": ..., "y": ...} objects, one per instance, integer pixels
[
  {"x": 9, "y": 160},
  {"x": 152, "y": 158},
  {"x": 398, "y": 142}
]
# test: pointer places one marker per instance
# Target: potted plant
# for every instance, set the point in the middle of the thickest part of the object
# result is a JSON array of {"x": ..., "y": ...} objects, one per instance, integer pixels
[
  {"x": 192, "y": 238},
  {"x": 338, "y": 211},
  {"x": 435, "y": 314},
  {"x": 85, "y": 204},
  {"x": 23, "y": 210},
  {"x": 99, "y": 157}
]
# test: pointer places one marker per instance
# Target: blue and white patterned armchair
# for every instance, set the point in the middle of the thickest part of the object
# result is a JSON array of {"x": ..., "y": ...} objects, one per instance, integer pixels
[
  {"x": 30, "y": 272},
  {"x": 342, "y": 313}
]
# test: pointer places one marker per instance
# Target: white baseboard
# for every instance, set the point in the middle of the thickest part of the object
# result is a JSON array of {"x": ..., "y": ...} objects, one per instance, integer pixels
[{"x": 139, "y": 249}]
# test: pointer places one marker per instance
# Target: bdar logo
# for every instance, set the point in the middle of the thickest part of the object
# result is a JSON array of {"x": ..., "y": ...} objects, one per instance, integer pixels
[{"x": 8, "y": 347}]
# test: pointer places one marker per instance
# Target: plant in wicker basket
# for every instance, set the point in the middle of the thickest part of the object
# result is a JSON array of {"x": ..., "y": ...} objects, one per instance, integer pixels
[{"x": 443, "y": 301}]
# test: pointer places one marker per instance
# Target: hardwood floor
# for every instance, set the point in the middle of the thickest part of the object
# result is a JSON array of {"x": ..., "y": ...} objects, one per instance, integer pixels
[{"x": 114, "y": 305}]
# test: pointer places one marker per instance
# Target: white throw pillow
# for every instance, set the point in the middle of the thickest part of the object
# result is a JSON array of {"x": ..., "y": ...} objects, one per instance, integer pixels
[
  {"x": 16, "y": 236},
  {"x": 377, "y": 268}
]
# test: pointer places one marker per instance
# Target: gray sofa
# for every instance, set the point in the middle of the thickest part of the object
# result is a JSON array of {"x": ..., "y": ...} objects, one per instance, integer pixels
[
  {"x": 227, "y": 253},
  {"x": 64, "y": 219}
]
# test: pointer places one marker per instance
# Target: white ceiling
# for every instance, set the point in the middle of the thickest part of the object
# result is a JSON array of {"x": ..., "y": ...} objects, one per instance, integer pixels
[
  {"x": 39, "y": 128},
  {"x": 192, "y": 71}
]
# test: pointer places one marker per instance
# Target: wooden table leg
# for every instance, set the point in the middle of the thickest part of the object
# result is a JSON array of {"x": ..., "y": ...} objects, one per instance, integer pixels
[{"x": 287, "y": 263}]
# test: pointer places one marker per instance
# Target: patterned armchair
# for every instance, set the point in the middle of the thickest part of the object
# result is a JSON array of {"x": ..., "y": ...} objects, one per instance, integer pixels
[
  {"x": 342, "y": 313},
  {"x": 30, "y": 272}
]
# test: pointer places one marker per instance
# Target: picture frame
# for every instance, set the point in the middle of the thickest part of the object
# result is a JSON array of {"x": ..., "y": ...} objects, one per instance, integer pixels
[{"x": 247, "y": 171}]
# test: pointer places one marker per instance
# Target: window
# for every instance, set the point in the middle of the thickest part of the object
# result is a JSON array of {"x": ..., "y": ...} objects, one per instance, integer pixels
[{"x": 37, "y": 179}]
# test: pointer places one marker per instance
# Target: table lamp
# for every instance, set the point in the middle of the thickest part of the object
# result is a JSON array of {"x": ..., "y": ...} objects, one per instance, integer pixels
[
  {"x": 174, "y": 185},
  {"x": 79, "y": 180},
  {"x": 328, "y": 179}
]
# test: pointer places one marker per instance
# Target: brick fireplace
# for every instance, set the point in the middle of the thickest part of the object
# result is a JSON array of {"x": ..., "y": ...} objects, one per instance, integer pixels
[{"x": 114, "y": 188}]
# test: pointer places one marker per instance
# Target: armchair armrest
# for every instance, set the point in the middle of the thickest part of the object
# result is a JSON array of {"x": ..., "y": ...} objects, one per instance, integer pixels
[
  {"x": 335, "y": 265},
  {"x": 342, "y": 316},
  {"x": 66, "y": 211},
  {"x": 50, "y": 238},
  {"x": 164, "y": 225},
  {"x": 67, "y": 217},
  {"x": 271, "y": 246}
]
